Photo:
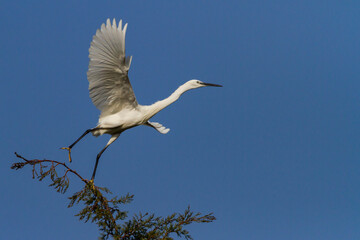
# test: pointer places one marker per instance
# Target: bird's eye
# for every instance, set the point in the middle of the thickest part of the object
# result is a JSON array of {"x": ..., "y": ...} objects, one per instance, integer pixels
[{"x": 198, "y": 82}]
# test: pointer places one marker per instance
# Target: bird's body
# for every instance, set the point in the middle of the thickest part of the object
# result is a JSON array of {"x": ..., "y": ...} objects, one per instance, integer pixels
[
  {"x": 139, "y": 115},
  {"x": 111, "y": 91},
  {"x": 120, "y": 121}
]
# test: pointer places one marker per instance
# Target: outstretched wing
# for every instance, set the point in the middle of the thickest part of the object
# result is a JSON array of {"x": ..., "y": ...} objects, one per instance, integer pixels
[{"x": 109, "y": 85}]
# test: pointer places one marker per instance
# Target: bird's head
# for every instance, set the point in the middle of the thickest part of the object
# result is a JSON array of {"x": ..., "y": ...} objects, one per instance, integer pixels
[{"x": 197, "y": 84}]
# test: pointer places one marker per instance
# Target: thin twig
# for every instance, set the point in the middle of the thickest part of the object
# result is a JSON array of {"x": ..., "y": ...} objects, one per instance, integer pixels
[{"x": 35, "y": 161}]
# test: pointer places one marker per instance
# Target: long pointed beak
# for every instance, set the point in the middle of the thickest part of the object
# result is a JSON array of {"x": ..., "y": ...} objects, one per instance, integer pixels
[{"x": 211, "y": 84}]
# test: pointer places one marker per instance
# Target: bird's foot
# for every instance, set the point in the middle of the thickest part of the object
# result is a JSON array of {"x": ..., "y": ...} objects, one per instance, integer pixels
[
  {"x": 69, "y": 149},
  {"x": 91, "y": 184}
]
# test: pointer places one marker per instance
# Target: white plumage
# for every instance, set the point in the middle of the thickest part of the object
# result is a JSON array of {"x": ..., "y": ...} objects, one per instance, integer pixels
[
  {"x": 111, "y": 92},
  {"x": 109, "y": 85}
]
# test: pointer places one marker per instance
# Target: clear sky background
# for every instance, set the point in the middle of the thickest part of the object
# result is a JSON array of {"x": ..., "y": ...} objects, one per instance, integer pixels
[{"x": 274, "y": 153}]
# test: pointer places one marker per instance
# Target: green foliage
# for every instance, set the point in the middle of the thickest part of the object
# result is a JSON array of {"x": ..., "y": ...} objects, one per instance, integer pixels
[{"x": 107, "y": 214}]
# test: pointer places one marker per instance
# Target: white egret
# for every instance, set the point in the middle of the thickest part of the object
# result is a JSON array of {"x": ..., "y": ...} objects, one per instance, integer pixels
[{"x": 111, "y": 91}]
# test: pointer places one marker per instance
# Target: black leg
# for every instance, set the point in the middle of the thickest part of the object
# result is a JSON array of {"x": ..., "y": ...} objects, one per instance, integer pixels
[
  {"x": 84, "y": 134},
  {"x": 97, "y": 161},
  {"x": 77, "y": 140},
  {"x": 112, "y": 139}
]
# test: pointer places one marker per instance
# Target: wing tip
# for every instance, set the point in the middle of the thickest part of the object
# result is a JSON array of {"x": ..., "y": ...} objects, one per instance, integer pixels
[
  {"x": 160, "y": 128},
  {"x": 120, "y": 24},
  {"x": 108, "y": 24},
  {"x": 128, "y": 61},
  {"x": 125, "y": 27}
]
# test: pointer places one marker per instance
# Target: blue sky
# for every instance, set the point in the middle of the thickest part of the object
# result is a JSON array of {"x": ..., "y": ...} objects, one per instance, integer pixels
[{"x": 274, "y": 153}]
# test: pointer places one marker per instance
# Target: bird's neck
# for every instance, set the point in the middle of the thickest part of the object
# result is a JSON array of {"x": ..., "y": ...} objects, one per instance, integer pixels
[{"x": 153, "y": 109}]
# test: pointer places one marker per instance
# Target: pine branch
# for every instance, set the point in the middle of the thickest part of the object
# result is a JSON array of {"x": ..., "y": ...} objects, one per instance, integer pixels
[{"x": 106, "y": 213}]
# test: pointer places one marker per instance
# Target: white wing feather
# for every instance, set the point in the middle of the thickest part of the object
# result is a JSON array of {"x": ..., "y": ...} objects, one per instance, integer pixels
[
  {"x": 160, "y": 128},
  {"x": 109, "y": 85}
]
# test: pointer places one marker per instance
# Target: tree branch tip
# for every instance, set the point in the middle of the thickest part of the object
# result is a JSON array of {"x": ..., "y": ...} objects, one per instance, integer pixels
[{"x": 106, "y": 213}]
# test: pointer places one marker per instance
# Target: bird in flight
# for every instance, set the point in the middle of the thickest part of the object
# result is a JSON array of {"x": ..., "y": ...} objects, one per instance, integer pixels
[{"x": 111, "y": 91}]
